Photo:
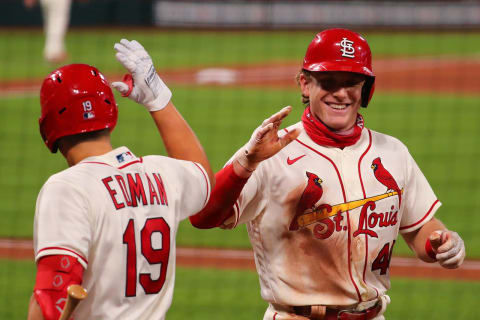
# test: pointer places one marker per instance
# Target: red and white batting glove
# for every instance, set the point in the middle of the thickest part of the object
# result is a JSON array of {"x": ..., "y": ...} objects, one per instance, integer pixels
[
  {"x": 449, "y": 250},
  {"x": 265, "y": 141},
  {"x": 143, "y": 86}
]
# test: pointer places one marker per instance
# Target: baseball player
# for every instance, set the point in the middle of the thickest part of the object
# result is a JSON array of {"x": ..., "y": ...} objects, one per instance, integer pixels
[
  {"x": 109, "y": 221},
  {"x": 56, "y": 17},
  {"x": 325, "y": 199}
]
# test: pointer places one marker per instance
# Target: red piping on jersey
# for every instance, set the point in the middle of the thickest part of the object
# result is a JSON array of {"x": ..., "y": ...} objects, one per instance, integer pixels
[
  {"x": 60, "y": 248},
  {"x": 348, "y": 216},
  {"x": 275, "y": 316},
  {"x": 424, "y": 217},
  {"x": 360, "y": 161},
  {"x": 206, "y": 181},
  {"x": 364, "y": 196},
  {"x": 121, "y": 167},
  {"x": 130, "y": 163},
  {"x": 95, "y": 162}
]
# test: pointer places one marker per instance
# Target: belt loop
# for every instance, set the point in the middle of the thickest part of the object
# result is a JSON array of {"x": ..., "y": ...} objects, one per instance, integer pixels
[{"x": 318, "y": 312}]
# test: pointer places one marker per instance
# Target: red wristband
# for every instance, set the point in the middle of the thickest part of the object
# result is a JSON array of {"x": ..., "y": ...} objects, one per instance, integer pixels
[{"x": 429, "y": 249}]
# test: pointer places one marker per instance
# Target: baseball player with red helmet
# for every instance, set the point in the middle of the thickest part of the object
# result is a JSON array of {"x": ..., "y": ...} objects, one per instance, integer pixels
[
  {"x": 325, "y": 199},
  {"x": 109, "y": 221}
]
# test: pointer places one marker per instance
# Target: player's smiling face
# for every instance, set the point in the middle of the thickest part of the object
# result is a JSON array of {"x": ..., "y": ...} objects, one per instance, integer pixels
[{"x": 335, "y": 97}]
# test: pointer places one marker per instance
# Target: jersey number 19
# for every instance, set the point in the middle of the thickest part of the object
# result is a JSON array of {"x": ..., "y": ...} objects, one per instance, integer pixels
[{"x": 152, "y": 255}]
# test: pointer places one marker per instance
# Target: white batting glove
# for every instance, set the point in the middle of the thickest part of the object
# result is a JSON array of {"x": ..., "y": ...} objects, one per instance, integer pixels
[
  {"x": 265, "y": 141},
  {"x": 451, "y": 252},
  {"x": 146, "y": 88}
]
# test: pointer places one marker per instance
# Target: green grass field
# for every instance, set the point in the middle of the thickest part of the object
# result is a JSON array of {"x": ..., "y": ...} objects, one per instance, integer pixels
[
  {"x": 202, "y": 294},
  {"x": 171, "y": 49}
]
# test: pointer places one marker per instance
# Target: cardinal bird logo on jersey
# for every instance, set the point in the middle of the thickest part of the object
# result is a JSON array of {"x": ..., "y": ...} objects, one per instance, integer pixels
[
  {"x": 385, "y": 178},
  {"x": 311, "y": 194}
]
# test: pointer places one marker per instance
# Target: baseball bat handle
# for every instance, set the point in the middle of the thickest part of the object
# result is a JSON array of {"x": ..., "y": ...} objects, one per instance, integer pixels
[
  {"x": 435, "y": 240},
  {"x": 75, "y": 294}
]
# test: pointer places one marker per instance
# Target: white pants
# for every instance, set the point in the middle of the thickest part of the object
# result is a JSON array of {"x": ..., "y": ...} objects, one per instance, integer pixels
[{"x": 56, "y": 17}]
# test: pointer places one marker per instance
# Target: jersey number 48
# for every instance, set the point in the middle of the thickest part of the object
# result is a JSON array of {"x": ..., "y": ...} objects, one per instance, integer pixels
[{"x": 152, "y": 255}]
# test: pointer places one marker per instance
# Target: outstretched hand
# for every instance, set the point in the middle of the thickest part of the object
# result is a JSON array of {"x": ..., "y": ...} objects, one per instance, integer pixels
[
  {"x": 265, "y": 141},
  {"x": 449, "y": 248},
  {"x": 143, "y": 85}
]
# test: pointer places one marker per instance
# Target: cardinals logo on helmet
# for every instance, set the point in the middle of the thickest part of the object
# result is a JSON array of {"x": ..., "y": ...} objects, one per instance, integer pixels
[{"x": 347, "y": 49}]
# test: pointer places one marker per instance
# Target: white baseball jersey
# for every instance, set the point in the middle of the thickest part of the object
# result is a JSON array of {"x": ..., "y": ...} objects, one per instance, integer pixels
[
  {"x": 323, "y": 221},
  {"x": 118, "y": 215}
]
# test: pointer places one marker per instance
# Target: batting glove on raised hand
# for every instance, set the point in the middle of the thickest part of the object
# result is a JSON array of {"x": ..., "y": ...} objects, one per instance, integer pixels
[
  {"x": 265, "y": 141},
  {"x": 450, "y": 252},
  {"x": 143, "y": 86}
]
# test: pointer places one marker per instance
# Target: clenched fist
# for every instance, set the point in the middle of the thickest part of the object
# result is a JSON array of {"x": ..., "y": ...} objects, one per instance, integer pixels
[{"x": 449, "y": 248}]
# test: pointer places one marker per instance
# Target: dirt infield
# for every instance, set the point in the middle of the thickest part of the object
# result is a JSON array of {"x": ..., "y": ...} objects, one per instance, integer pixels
[
  {"x": 243, "y": 260},
  {"x": 447, "y": 75}
]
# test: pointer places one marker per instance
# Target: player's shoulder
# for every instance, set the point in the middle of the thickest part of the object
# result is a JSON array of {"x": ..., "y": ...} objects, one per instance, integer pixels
[
  {"x": 66, "y": 183},
  {"x": 157, "y": 158},
  {"x": 383, "y": 141},
  {"x": 164, "y": 162},
  {"x": 171, "y": 167},
  {"x": 74, "y": 175}
]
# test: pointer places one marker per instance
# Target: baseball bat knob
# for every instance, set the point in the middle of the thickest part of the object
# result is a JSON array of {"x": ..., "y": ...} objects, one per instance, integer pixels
[
  {"x": 435, "y": 240},
  {"x": 76, "y": 291}
]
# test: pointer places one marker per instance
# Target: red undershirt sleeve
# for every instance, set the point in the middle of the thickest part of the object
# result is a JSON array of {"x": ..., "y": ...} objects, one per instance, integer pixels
[
  {"x": 219, "y": 208},
  {"x": 54, "y": 274}
]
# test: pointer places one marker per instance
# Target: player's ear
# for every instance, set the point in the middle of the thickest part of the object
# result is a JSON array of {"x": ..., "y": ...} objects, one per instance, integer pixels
[{"x": 304, "y": 82}]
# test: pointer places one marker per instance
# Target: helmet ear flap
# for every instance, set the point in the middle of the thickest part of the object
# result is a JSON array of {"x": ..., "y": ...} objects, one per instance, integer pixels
[{"x": 367, "y": 90}]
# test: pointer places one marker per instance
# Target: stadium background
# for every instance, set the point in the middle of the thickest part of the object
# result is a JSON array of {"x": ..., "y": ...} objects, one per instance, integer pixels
[{"x": 230, "y": 64}]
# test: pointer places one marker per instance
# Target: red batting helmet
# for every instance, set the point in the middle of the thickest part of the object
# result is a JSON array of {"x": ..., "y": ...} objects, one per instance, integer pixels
[
  {"x": 75, "y": 99},
  {"x": 342, "y": 50}
]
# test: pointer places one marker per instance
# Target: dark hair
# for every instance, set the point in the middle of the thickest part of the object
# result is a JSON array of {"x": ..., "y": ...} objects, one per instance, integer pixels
[
  {"x": 309, "y": 76},
  {"x": 80, "y": 137},
  {"x": 366, "y": 89}
]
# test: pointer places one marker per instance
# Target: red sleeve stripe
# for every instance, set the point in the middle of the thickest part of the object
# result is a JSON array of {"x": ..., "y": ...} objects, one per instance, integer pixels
[
  {"x": 64, "y": 249},
  {"x": 424, "y": 217},
  {"x": 206, "y": 182}
]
